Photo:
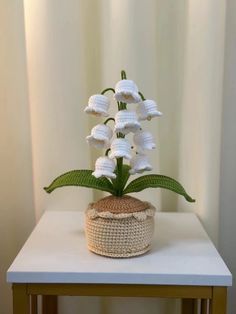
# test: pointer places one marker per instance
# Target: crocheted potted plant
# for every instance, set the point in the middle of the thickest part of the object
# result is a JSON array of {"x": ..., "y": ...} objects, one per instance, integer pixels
[{"x": 120, "y": 225}]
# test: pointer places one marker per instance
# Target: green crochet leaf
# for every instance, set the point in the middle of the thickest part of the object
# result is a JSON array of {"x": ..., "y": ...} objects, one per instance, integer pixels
[
  {"x": 80, "y": 178},
  {"x": 119, "y": 183},
  {"x": 157, "y": 181}
]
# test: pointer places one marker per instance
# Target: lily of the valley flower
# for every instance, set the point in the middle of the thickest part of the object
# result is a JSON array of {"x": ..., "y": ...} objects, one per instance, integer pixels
[
  {"x": 98, "y": 105},
  {"x": 147, "y": 109},
  {"x": 126, "y": 121},
  {"x": 126, "y": 91},
  {"x": 104, "y": 167},
  {"x": 144, "y": 140},
  {"x": 100, "y": 136},
  {"x": 139, "y": 163},
  {"x": 120, "y": 148}
]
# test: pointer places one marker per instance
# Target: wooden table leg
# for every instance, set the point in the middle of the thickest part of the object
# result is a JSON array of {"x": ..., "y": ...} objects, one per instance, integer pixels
[
  {"x": 34, "y": 304},
  {"x": 21, "y": 300},
  {"x": 187, "y": 306},
  {"x": 218, "y": 304},
  {"x": 204, "y": 307},
  {"x": 196, "y": 306},
  {"x": 49, "y": 305}
]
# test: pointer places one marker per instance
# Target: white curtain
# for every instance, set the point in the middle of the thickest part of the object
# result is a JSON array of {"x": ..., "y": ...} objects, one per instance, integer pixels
[{"x": 55, "y": 55}]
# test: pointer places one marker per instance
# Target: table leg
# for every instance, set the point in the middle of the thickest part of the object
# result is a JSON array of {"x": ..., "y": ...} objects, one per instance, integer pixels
[
  {"x": 204, "y": 306},
  {"x": 49, "y": 305},
  {"x": 187, "y": 306},
  {"x": 34, "y": 304},
  {"x": 196, "y": 306},
  {"x": 21, "y": 300},
  {"x": 218, "y": 304}
]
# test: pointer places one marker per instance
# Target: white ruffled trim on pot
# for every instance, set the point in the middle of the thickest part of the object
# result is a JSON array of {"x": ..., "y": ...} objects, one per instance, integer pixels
[{"x": 93, "y": 213}]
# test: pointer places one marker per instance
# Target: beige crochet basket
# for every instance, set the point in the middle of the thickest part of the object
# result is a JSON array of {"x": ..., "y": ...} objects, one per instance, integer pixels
[{"x": 119, "y": 226}]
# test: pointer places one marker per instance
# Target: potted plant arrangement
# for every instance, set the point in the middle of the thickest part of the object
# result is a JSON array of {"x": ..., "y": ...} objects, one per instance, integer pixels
[{"x": 120, "y": 225}]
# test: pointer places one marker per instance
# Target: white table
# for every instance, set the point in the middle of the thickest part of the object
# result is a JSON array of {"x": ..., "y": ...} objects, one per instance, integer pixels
[{"x": 183, "y": 263}]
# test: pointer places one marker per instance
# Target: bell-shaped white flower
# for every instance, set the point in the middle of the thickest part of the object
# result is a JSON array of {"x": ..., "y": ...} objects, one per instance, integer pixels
[
  {"x": 100, "y": 136},
  {"x": 127, "y": 91},
  {"x": 126, "y": 121},
  {"x": 104, "y": 167},
  {"x": 147, "y": 109},
  {"x": 98, "y": 105},
  {"x": 144, "y": 140},
  {"x": 139, "y": 163},
  {"x": 120, "y": 147}
]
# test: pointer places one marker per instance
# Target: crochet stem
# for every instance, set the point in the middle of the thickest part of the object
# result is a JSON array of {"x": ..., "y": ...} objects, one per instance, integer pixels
[
  {"x": 143, "y": 98},
  {"x": 119, "y": 105},
  {"x": 107, "y": 89},
  {"x": 123, "y": 75},
  {"x": 119, "y": 162},
  {"x": 123, "y": 105},
  {"x": 109, "y": 119},
  {"x": 119, "y": 174},
  {"x": 107, "y": 151}
]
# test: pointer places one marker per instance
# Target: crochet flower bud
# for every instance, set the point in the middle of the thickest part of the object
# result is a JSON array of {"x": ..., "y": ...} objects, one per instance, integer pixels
[
  {"x": 120, "y": 147},
  {"x": 126, "y": 91},
  {"x": 147, "y": 109},
  {"x": 100, "y": 136},
  {"x": 104, "y": 167},
  {"x": 126, "y": 121},
  {"x": 139, "y": 163},
  {"x": 144, "y": 140},
  {"x": 98, "y": 105}
]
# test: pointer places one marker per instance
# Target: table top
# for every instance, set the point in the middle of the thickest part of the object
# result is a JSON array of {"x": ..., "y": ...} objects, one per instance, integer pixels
[{"x": 181, "y": 254}]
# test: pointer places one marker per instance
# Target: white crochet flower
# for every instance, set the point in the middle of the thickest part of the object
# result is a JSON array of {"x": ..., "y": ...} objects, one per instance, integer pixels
[
  {"x": 144, "y": 140},
  {"x": 147, "y": 109},
  {"x": 98, "y": 105},
  {"x": 100, "y": 136},
  {"x": 120, "y": 147},
  {"x": 127, "y": 91},
  {"x": 139, "y": 163},
  {"x": 126, "y": 121},
  {"x": 104, "y": 167}
]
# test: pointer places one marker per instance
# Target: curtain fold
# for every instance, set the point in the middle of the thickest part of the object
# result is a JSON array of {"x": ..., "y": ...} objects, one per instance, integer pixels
[
  {"x": 201, "y": 108},
  {"x": 17, "y": 215},
  {"x": 57, "y": 93},
  {"x": 65, "y": 51}
]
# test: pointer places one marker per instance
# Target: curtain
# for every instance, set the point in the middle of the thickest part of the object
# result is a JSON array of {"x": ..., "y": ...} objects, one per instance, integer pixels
[
  {"x": 17, "y": 215},
  {"x": 55, "y": 55}
]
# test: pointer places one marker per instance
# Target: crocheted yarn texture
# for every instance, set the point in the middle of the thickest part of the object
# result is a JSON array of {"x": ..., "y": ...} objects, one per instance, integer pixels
[
  {"x": 116, "y": 204},
  {"x": 119, "y": 226}
]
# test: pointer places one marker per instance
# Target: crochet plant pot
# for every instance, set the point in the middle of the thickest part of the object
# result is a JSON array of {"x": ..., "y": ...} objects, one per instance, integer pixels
[{"x": 119, "y": 226}]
